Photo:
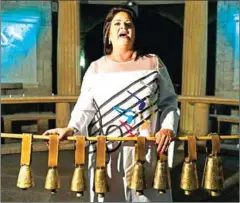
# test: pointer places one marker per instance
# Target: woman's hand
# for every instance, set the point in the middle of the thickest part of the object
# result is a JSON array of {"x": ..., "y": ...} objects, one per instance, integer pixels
[
  {"x": 163, "y": 139},
  {"x": 63, "y": 133}
]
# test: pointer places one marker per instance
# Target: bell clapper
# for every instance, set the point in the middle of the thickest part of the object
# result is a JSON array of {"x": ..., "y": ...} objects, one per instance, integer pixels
[
  {"x": 100, "y": 197},
  {"x": 139, "y": 193},
  {"x": 187, "y": 192},
  {"x": 53, "y": 192},
  {"x": 79, "y": 194},
  {"x": 215, "y": 193},
  {"x": 162, "y": 191}
]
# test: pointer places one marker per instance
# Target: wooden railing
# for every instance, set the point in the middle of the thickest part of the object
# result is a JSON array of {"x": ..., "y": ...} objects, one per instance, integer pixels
[
  {"x": 73, "y": 99},
  {"x": 208, "y": 100},
  {"x": 38, "y": 99},
  {"x": 201, "y": 107}
]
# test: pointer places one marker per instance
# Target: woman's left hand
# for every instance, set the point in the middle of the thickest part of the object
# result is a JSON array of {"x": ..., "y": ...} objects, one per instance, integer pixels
[{"x": 163, "y": 139}]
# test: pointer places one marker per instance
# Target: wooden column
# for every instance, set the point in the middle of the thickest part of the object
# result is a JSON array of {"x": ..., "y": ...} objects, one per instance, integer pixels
[
  {"x": 62, "y": 115},
  {"x": 194, "y": 59},
  {"x": 200, "y": 126},
  {"x": 68, "y": 68}
]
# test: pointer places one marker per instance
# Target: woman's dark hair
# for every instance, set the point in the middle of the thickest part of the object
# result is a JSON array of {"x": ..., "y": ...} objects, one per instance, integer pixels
[{"x": 106, "y": 28}]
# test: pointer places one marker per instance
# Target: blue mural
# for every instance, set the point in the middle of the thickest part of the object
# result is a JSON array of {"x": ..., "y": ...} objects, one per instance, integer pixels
[
  {"x": 228, "y": 30},
  {"x": 228, "y": 14},
  {"x": 19, "y": 33}
]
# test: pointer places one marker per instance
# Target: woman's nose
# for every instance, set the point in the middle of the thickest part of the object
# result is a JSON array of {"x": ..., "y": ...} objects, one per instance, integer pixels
[{"x": 123, "y": 26}]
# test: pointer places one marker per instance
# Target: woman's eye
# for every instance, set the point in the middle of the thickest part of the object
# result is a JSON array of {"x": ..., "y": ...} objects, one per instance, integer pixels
[
  {"x": 117, "y": 24},
  {"x": 128, "y": 25}
]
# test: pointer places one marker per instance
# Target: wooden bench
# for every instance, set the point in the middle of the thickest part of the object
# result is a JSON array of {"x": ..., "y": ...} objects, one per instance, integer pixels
[
  {"x": 41, "y": 118},
  {"x": 10, "y": 86},
  {"x": 224, "y": 118}
]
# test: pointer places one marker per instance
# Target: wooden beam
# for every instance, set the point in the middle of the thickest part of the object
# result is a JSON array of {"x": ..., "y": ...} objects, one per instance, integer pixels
[
  {"x": 73, "y": 99},
  {"x": 44, "y": 99},
  {"x": 208, "y": 100}
]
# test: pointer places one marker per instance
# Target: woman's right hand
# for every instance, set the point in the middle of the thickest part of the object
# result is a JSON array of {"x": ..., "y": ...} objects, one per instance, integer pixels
[{"x": 62, "y": 133}]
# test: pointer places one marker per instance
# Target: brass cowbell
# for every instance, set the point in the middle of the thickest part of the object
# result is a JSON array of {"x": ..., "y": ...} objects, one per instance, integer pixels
[
  {"x": 213, "y": 175},
  {"x": 100, "y": 182},
  {"x": 162, "y": 180},
  {"x": 189, "y": 177},
  {"x": 138, "y": 182},
  {"x": 213, "y": 172},
  {"x": 78, "y": 183},
  {"x": 52, "y": 180},
  {"x": 100, "y": 178},
  {"x": 25, "y": 178}
]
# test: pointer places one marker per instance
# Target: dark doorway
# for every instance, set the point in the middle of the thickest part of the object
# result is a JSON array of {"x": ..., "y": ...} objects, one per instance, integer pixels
[{"x": 54, "y": 49}]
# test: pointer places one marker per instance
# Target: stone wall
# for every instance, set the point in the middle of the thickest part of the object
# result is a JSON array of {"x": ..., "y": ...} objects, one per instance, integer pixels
[
  {"x": 227, "y": 50},
  {"x": 227, "y": 59},
  {"x": 41, "y": 61}
]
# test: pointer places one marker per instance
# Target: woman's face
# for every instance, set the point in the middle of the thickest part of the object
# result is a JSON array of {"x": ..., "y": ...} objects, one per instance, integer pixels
[{"x": 122, "y": 31}]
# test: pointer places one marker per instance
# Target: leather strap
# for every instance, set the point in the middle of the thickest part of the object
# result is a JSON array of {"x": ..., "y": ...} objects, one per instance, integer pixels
[
  {"x": 163, "y": 157},
  {"x": 136, "y": 151},
  {"x": 215, "y": 144},
  {"x": 26, "y": 149},
  {"x": 140, "y": 148},
  {"x": 53, "y": 150},
  {"x": 101, "y": 151},
  {"x": 192, "y": 148},
  {"x": 80, "y": 150}
]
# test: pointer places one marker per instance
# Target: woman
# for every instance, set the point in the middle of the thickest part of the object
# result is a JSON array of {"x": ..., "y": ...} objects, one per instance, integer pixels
[{"x": 123, "y": 94}]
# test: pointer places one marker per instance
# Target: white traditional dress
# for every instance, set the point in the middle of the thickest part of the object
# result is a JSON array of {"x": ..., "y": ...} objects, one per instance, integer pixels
[{"x": 126, "y": 99}]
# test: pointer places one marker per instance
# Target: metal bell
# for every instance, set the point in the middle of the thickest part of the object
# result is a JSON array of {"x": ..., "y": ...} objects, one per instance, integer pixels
[
  {"x": 213, "y": 175},
  {"x": 100, "y": 182},
  {"x": 25, "y": 178},
  {"x": 162, "y": 180},
  {"x": 189, "y": 177},
  {"x": 78, "y": 183},
  {"x": 52, "y": 180},
  {"x": 138, "y": 182}
]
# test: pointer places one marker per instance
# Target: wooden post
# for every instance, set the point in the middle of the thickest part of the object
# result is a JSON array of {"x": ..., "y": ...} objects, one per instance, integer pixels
[
  {"x": 7, "y": 126},
  {"x": 42, "y": 125},
  {"x": 62, "y": 114},
  {"x": 68, "y": 59},
  {"x": 194, "y": 60},
  {"x": 201, "y": 112}
]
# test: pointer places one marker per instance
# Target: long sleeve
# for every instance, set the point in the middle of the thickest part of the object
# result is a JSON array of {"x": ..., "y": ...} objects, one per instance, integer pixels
[
  {"x": 83, "y": 111},
  {"x": 170, "y": 112}
]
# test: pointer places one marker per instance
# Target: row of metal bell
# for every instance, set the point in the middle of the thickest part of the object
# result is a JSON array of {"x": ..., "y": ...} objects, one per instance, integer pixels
[{"x": 212, "y": 178}]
